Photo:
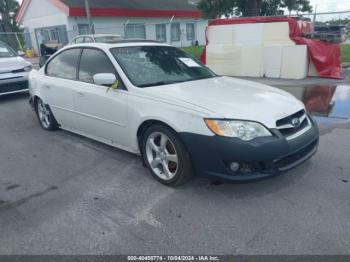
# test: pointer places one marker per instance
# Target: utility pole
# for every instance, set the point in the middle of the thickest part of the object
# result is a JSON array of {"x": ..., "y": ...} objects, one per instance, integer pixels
[
  {"x": 88, "y": 15},
  {"x": 315, "y": 15},
  {"x": 170, "y": 23}
]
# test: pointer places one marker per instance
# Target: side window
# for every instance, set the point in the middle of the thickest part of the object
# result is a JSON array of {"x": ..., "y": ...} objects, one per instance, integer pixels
[
  {"x": 88, "y": 40},
  {"x": 64, "y": 65},
  {"x": 79, "y": 40},
  {"x": 94, "y": 62}
]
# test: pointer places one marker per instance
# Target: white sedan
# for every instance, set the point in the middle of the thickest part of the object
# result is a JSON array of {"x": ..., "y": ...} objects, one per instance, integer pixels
[
  {"x": 157, "y": 101},
  {"x": 97, "y": 38},
  {"x": 14, "y": 71}
]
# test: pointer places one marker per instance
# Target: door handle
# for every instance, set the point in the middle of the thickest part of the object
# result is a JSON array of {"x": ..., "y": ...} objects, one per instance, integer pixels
[{"x": 80, "y": 93}]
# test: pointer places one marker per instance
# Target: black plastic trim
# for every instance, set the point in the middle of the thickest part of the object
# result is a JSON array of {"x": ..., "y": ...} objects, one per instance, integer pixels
[{"x": 211, "y": 155}]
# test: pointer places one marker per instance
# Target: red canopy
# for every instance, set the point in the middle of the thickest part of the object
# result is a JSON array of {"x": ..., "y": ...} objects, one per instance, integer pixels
[{"x": 325, "y": 56}]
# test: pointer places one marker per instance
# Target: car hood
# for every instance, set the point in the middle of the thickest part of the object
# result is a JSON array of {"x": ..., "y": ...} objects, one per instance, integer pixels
[
  {"x": 233, "y": 98},
  {"x": 7, "y": 64}
]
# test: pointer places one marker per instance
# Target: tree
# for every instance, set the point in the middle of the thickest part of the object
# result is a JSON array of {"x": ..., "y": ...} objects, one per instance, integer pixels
[
  {"x": 218, "y": 8},
  {"x": 297, "y": 5},
  {"x": 271, "y": 8},
  {"x": 8, "y": 11}
]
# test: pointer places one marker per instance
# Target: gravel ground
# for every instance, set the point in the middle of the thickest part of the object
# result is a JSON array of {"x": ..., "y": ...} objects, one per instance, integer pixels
[{"x": 63, "y": 194}]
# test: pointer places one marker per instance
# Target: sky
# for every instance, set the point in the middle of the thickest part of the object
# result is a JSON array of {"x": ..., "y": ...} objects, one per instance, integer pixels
[{"x": 331, "y": 5}]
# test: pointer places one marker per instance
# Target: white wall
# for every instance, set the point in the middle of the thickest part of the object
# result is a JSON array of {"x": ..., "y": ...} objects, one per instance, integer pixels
[
  {"x": 115, "y": 25},
  {"x": 42, "y": 14}
]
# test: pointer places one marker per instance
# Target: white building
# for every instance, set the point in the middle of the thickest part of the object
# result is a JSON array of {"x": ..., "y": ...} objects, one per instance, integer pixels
[{"x": 176, "y": 22}]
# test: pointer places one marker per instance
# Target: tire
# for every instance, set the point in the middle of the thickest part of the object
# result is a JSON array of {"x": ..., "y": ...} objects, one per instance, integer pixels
[
  {"x": 46, "y": 119},
  {"x": 166, "y": 156}
]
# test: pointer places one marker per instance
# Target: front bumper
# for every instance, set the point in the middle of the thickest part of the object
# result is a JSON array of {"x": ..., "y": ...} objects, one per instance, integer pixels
[
  {"x": 258, "y": 159},
  {"x": 16, "y": 84}
]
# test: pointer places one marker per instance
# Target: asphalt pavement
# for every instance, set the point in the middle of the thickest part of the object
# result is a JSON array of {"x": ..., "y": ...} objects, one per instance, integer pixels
[{"x": 61, "y": 193}]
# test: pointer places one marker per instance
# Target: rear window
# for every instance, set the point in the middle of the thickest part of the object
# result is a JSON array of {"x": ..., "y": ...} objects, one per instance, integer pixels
[
  {"x": 107, "y": 39},
  {"x": 65, "y": 64}
]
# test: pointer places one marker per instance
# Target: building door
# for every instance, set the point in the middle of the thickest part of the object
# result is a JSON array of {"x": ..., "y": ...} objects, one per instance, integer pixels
[
  {"x": 27, "y": 38},
  {"x": 51, "y": 35}
]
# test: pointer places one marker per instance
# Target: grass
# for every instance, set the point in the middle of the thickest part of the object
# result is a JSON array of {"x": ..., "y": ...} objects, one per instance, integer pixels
[
  {"x": 197, "y": 50},
  {"x": 345, "y": 52}
]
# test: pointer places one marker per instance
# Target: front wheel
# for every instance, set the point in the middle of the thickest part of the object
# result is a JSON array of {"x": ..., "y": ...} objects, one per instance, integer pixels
[
  {"x": 45, "y": 116},
  {"x": 166, "y": 156}
]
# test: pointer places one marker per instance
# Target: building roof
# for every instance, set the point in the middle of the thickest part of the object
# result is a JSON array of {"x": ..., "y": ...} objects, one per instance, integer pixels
[
  {"x": 123, "y": 8},
  {"x": 184, "y": 5}
]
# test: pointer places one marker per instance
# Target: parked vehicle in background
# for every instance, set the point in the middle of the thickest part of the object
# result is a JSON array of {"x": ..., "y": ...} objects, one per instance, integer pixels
[
  {"x": 156, "y": 100},
  {"x": 14, "y": 71},
  {"x": 329, "y": 33},
  {"x": 97, "y": 38}
]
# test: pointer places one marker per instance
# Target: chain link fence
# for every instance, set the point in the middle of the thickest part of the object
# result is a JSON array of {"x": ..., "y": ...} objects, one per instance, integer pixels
[{"x": 177, "y": 33}]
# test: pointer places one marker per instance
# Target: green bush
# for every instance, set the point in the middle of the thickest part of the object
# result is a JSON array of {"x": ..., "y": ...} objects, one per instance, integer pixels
[
  {"x": 345, "y": 52},
  {"x": 195, "y": 51}
]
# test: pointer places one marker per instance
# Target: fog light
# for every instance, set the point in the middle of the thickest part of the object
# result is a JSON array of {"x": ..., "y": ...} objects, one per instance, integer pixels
[{"x": 234, "y": 166}]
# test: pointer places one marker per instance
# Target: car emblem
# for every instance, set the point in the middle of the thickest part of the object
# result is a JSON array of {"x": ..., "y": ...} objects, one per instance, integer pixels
[{"x": 296, "y": 122}]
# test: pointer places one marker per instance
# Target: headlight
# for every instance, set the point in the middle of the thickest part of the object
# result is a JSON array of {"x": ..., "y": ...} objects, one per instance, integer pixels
[
  {"x": 244, "y": 130},
  {"x": 27, "y": 68}
]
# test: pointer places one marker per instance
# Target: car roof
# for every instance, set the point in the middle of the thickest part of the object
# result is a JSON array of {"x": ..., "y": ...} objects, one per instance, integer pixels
[
  {"x": 120, "y": 43},
  {"x": 97, "y": 35}
]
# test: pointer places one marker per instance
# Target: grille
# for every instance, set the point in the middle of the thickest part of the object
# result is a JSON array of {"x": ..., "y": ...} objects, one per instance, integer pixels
[
  {"x": 295, "y": 125},
  {"x": 13, "y": 87}
]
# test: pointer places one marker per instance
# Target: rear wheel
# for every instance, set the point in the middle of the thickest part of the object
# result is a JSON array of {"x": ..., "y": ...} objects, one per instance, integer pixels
[
  {"x": 45, "y": 116},
  {"x": 166, "y": 156}
]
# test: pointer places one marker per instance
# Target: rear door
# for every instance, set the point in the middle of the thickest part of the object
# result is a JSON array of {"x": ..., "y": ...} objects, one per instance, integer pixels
[
  {"x": 101, "y": 111},
  {"x": 58, "y": 85}
]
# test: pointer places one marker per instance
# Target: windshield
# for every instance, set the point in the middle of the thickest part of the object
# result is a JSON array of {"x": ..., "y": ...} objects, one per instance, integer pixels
[
  {"x": 107, "y": 39},
  {"x": 147, "y": 66},
  {"x": 6, "y": 51}
]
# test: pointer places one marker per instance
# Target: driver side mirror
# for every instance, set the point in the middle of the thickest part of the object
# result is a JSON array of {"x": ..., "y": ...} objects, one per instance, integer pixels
[{"x": 107, "y": 79}]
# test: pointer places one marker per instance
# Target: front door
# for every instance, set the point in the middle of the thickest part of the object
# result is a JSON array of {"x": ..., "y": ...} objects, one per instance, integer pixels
[{"x": 101, "y": 112}]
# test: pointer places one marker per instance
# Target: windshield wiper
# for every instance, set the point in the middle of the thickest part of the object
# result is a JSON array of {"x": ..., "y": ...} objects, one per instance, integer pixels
[
  {"x": 160, "y": 83},
  {"x": 204, "y": 77}
]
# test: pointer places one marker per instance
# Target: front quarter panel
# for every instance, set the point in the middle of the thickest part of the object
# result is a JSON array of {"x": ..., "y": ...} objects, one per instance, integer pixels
[
  {"x": 179, "y": 118},
  {"x": 33, "y": 83}
]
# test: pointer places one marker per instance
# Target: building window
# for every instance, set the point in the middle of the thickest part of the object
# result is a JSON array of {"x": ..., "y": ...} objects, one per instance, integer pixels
[
  {"x": 161, "y": 33},
  {"x": 83, "y": 29},
  {"x": 54, "y": 36},
  {"x": 190, "y": 31},
  {"x": 175, "y": 32},
  {"x": 133, "y": 31}
]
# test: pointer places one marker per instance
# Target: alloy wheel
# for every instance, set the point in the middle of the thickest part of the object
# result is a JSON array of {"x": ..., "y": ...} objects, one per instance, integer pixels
[
  {"x": 44, "y": 114},
  {"x": 162, "y": 156}
]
